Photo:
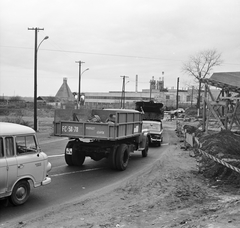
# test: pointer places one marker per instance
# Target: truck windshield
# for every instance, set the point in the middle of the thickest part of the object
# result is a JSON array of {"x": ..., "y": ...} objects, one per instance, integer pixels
[{"x": 152, "y": 126}]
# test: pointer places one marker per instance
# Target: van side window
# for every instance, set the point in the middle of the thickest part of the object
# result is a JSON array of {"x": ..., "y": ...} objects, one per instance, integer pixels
[
  {"x": 9, "y": 147},
  {"x": 1, "y": 148},
  {"x": 26, "y": 144}
]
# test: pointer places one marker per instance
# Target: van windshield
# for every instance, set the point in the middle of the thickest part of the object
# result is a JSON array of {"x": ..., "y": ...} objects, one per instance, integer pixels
[{"x": 26, "y": 144}]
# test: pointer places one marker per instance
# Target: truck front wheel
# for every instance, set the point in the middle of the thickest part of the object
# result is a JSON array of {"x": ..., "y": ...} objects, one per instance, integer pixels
[
  {"x": 78, "y": 157},
  {"x": 122, "y": 157}
]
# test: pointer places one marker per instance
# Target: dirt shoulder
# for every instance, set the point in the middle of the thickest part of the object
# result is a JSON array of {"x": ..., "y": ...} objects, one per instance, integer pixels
[{"x": 171, "y": 193}]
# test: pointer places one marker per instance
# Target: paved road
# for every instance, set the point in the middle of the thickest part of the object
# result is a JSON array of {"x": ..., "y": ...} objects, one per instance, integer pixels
[{"x": 69, "y": 183}]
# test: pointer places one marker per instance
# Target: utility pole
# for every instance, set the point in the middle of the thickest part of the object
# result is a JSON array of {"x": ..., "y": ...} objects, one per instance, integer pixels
[
  {"x": 79, "y": 82},
  {"x": 35, "y": 76},
  {"x": 123, "y": 91},
  {"x": 151, "y": 85},
  {"x": 177, "y": 93}
]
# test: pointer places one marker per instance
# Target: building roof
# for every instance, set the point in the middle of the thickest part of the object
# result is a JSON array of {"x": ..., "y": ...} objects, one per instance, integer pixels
[
  {"x": 226, "y": 80},
  {"x": 65, "y": 93}
]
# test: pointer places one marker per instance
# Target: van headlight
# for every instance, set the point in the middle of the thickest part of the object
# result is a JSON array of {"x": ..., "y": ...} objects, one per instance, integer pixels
[{"x": 49, "y": 167}]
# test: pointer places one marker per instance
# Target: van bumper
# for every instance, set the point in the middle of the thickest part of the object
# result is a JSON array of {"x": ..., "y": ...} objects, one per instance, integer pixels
[{"x": 46, "y": 181}]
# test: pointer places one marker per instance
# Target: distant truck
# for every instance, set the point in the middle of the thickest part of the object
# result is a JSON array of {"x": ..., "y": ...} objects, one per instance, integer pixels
[
  {"x": 110, "y": 134},
  {"x": 151, "y": 110},
  {"x": 153, "y": 114}
]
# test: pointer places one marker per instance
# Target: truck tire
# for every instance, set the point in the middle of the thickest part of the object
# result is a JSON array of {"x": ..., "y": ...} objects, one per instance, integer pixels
[
  {"x": 145, "y": 151},
  {"x": 20, "y": 193},
  {"x": 122, "y": 157},
  {"x": 68, "y": 157},
  {"x": 112, "y": 158},
  {"x": 78, "y": 157}
]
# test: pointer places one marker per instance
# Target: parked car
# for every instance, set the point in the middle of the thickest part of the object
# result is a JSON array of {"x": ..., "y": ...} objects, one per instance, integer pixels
[
  {"x": 155, "y": 130},
  {"x": 21, "y": 162}
]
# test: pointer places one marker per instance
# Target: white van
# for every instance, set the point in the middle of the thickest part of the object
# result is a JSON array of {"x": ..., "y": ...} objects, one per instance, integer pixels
[{"x": 21, "y": 162}]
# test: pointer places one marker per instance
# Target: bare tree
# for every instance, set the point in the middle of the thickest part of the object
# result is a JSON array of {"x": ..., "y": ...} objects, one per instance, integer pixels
[{"x": 201, "y": 65}]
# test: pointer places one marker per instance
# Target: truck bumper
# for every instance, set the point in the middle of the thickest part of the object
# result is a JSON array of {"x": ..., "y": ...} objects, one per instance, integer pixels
[{"x": 156, "y": 140}]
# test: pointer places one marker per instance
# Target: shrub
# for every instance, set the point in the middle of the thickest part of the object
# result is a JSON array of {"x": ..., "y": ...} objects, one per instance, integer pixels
[{"x": 17, "y": 120}]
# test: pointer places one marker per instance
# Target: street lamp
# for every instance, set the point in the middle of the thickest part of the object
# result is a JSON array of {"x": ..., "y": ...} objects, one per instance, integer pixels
[
  {"x": 35, "y": 74},
  {"x": 79, "y": 83},
  {"x": 45, "y": 38}
]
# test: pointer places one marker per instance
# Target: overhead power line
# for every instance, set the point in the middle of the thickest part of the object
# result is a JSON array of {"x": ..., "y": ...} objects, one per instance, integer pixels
[
  {"x": 96, "y": 53},
  {"x": 112, "y": 55}
]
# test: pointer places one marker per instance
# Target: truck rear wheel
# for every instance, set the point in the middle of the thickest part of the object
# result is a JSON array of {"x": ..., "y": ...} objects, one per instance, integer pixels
[
  {"x": 122, "y": 157},
  {"x": 78, "y": 157},
  {"x": 112, "y": 158},
  {"x": 68, "y": 153}
]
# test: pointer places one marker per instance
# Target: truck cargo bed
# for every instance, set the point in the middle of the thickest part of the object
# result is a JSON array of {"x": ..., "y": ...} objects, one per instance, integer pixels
[{"x": 127, "y": 124}]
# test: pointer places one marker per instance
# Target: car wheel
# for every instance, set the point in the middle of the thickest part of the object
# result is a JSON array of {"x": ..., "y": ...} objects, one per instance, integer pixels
[{"x": 20, "y": 193}]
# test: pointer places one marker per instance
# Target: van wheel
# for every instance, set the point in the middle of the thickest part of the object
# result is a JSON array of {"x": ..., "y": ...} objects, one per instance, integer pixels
[
  {"x": 122, "y": 157},
  {"x": 68, "y": 153},
  {"x": 78, "y": 157},
  {"x": 145, "y": 151},
  {"x": 20, "y": 193}
]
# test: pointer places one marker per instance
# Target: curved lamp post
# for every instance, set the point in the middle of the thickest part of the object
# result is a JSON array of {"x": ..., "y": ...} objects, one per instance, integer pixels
[
  {"x": 36, "y": 47},
  {"x": 35, "y": 83},
  {"x": 79, "y": 89},
  {"x": 45, "y": 38}
]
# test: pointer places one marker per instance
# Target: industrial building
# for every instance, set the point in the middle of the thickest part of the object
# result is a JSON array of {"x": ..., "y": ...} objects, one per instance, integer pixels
[{"x": 127, "y": 99}]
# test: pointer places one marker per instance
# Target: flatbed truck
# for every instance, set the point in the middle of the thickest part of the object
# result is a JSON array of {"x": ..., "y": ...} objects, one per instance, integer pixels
[{"x": 92, "y": 134}]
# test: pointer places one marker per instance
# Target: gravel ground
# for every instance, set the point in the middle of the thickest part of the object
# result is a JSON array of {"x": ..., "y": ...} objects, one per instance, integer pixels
[{"x": 171, "y": 193}]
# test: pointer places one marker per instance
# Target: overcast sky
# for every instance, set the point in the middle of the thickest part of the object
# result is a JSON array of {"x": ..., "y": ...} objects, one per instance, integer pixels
[{"x": 114, "y": 38}]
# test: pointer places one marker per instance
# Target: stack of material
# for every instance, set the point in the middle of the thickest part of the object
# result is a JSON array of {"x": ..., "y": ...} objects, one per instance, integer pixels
[{"x": 224, "y": 145}]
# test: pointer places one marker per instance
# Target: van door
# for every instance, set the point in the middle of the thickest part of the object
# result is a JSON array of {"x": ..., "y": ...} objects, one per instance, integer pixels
[
  {"x": 3, "y": 169},
  {"x": 30, "y": 162}
]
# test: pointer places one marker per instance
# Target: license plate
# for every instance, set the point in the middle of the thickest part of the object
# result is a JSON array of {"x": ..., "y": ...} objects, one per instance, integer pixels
[{"x": 69, "y": 151}]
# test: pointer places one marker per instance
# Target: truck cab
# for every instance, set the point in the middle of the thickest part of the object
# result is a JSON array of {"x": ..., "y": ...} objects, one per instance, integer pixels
[{"x": 21, "y": 162}]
